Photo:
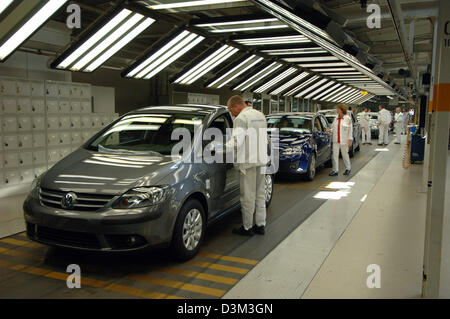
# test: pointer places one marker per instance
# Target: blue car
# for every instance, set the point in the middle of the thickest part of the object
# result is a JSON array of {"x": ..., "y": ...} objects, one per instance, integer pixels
[{"x": 304, "y": 143}]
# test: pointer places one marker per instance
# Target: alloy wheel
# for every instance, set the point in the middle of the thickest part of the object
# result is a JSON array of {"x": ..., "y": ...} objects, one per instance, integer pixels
[{"x": 192, "y": 229}]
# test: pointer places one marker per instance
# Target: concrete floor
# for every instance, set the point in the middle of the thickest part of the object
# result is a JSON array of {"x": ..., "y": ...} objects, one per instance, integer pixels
[{"x": 30, "y": 270}]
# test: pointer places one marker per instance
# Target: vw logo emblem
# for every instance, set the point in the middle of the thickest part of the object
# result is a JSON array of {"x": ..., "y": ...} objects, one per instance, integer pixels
[{"x": 68, "y": 201}]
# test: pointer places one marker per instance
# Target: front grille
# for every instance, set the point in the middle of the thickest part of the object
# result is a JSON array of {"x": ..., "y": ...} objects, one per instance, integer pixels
[
  {"x": 67, "y": 238},
  {"x": 84, "y": 202}
]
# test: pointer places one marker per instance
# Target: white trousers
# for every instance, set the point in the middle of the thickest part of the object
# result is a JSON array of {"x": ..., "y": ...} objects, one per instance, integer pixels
[
  {"x": 366, "y": 134},
  {"x": 253, "y": 197},
  {"x": 398, "y": 131},
  {"x": 343, "y": 148},
  {"x": 384, "y": 134}
]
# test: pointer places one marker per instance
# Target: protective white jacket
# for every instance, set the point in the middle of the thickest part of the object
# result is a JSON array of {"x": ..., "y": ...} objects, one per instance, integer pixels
[
  {"x": 346, "y": 129},
  {"x": 398, "y": 117},
  {"x": 384, "y": 117},
  {"x": 250, "y": 139},
  {"x": 364, "y": 119}
]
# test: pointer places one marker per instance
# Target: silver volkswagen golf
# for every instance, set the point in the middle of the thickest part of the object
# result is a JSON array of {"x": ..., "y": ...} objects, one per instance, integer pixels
[{"x": 123, "y": 190}]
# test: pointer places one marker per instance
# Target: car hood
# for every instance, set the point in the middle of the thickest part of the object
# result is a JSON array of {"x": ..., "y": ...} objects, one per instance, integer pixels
[
  {"x": 291, "y": 140},
  {"x": 86, "y": 171}
]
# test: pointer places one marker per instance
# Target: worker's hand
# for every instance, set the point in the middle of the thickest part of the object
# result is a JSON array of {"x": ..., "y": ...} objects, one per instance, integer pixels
[
  {"x": 350, "y": 143},
  {"x": 328, "y": 130}
]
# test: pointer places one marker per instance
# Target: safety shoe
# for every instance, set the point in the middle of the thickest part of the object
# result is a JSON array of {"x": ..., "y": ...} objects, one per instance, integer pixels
[
  {"x": 396, "y": 143},
  {"x": 369, "y": 143},
  {"x": 347, "y": 172},
  {"x": 333, "y": 174},
  {"x": 260, "y": 230},
  {"x": 243, "y": 232}
]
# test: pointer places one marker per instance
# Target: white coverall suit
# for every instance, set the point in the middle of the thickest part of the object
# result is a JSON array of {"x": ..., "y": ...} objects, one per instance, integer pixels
[
  {"x": 250, "y": 160},
  {"x": 364, "y": 120},
  {"x": 341, "y": 135},
  {"x": 398, "y": 126},
  {"x": 384, "y": 119}
]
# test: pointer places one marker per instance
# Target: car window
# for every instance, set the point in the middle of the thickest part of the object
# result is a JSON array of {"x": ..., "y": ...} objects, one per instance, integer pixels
[
  {"x": 290, "y": 124},
  {"x": 145, "y": 133},
  {"x": 318, "y": 125},
  {"x": 324, "y": 122},
  {"x": 221, "y": 123}
]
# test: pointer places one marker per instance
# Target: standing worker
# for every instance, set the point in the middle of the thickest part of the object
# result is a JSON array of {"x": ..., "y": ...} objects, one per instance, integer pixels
[
  {"x": 252, "y": 175},
  {"x": 384, "y": 120},
  {"x": 342, "y": 129},
  {"x": 405, "y": 121},
  {"x": 364, "y": 120},
  {"x": 398, "y": 124}
]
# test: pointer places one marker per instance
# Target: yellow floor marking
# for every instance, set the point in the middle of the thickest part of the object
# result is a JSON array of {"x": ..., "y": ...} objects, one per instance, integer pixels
[
  {"x": 19, "y": 242},
  {"x": 84, "y": 280},
  {"x": 201, "y": 264},
  {"x": 199, "y": 275},
  {"x": 230, "y": 258},
  {"x": 178, "y": 285},
  {"x": 16, "y": 253},
  {"x": 24, "y": 234}
]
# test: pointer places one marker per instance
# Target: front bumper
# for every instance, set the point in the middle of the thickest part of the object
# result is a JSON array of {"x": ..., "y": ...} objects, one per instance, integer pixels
[
  {"x": 293, "y": 164},
  {"x": 105, "y": 230}
]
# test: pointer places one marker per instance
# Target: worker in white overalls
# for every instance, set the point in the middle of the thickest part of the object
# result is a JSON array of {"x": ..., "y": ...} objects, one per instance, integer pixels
[
  {"x": 251, "y": 162},
  {"x": 398, "y": 124},
  {"x": 384, "y": 120},
  {"x": 364, "y": 120}
]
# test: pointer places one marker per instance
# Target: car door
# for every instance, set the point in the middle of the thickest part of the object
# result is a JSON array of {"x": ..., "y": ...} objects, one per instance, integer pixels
[
  {"x": 321, "y": 139},
  {"x": 328, "y": 139},
  {"x": 227, "y": 183}
]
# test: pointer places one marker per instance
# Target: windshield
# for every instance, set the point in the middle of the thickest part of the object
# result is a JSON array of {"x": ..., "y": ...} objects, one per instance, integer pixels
[
  {"x": 290, "y": 124},
  {"x": 145, "y": 134}
]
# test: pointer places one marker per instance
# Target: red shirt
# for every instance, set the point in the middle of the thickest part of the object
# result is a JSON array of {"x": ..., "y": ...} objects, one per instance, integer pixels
[{"x": 339, "y": 129}]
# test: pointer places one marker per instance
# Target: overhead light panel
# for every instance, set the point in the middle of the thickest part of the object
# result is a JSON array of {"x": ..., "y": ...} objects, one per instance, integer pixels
[
  {"x": 184, "y": 4},
  {"x": 320, "y": 65},
  {"x": 275, "y": 80},
  {"x": 257, "y": 77},
  {"x": 315, "y": 92},
  {"x": 241, "y": 25},
  {"x": 5, "y": 4},
  {"x": 339, "y": 94},
  {"x": 312, "y": 87},
  {"x": 17, "y": 27},
  {"x": 235, "y": 71},
  {"x": 311, "y": 59},
  {"x": 108, "y": 37},
  {"x": 206, "y": 65},
  {"x": 335, "y": 87},
  {"x": 301, "y": 86},
  {"x": 333, "y": 69},
  {"x": 260, "y": 41},
  {"x": 289, "y": 84},
  {"x": 296, "y": 51},
  {"x": 157, "y": 60},
  {"x": 343, "y": 97}
]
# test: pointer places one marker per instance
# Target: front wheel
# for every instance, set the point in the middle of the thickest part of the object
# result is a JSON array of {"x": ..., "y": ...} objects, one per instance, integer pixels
[
  {"x": 268, "y": 188},
  {"x": 311, "y": 172},
  {"x": 189, "y": 230}
]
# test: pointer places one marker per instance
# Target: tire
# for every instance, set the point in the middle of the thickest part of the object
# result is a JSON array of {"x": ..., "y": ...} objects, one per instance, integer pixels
[
  {"x": 268, "y": 183},
  {"x": 311, "y": 172},
  {"x": 189, "y": 231}
]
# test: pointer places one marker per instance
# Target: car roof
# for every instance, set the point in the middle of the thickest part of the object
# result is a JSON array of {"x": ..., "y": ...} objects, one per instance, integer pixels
[
  {"x": 304, "y": 114},
  {"x": 182, "y": 108}
]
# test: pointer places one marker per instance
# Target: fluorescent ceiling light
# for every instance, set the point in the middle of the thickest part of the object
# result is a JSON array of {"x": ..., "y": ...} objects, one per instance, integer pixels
[
  {"x": 343, "y": 73},
  {"x": 290, "y": 83},
  {"x": 334, "y": 92},
  {"x": 235, "y": 71},
  {"x": 209, "y": 63},
  {"x": 323, "y": 87},
  {"x": 297, "y": 51},
  {"x": 339, "y": 94},
  {"x": 312, "y": 87},
  {"x": 319, "y": 65},
  {"x": 107, "y": 41},
  {"x": 184, "y": 4},
  {"x": 312, "y": 59},
  {"x": 273, "y": 40},
  {"x": 237, "y": 22},
  {"x": 390, "y": 97},
  {"x": 157, "y": 61},
  {"x": 345, "y": 96},
  {"x": 258, "y": 76},
  {"x": 333, "y": 69},
  {"x": 351, "y": 96},
  {"x": 302, "y": 85},
  {"x": 5, "y": 4},
  {"x": 267, "y": 27},
  {"x": 30, "y": 26},
  {"x": 275, "y": 80},
  {"x": 332, "y": 89}
]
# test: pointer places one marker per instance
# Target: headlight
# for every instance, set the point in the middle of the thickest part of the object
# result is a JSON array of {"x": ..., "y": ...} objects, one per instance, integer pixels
[
  {"x": 293, "y": 150},
  {"x": 140, "y": 197},
  {"x": 35, "y": 187}
]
